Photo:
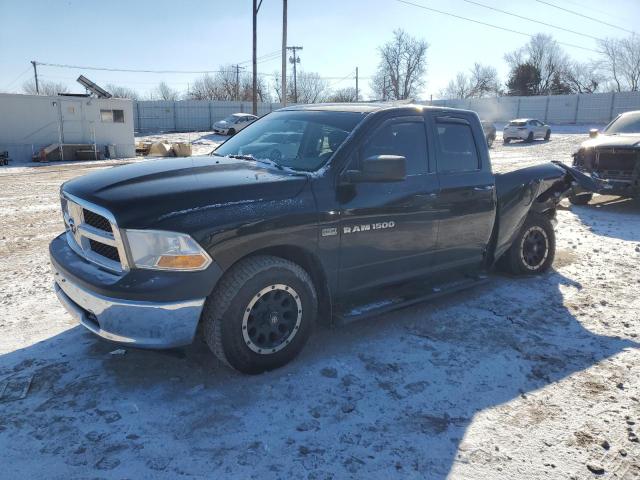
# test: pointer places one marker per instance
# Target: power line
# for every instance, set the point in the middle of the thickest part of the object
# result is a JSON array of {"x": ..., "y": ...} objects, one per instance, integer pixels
[
  {"x": 531, "y": 19},
  {"x": 18, "y": 77},
  {"x": 585, "y": 16},
  {"x": 460, "y": 17}
]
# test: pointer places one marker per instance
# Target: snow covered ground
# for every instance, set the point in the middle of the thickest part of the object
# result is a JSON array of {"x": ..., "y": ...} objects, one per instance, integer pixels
[{"x": 521, "y": 378}]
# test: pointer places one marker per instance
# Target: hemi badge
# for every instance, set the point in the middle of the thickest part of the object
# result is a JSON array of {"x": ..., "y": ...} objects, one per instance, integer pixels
[{"x": 328, "y": 232}]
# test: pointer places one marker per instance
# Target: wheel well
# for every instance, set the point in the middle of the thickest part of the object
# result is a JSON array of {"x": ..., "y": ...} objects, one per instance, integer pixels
[{"x": 311, "y": 264}]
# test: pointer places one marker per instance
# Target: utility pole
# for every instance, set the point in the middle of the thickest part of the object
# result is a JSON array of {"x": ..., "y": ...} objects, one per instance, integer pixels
[
  {"x": 255, "y": 9},
  {"x": 283, "y": 95},
  {"x": 295, "y": 60},
  {"x": 384, "y": 88},
  {"x": 356, "y": 84},
  {"x": 238, "y": 67},
  {"x": 35, "y": 74}
]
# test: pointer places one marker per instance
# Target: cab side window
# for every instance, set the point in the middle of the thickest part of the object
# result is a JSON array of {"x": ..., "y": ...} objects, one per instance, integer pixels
[
  {"x": 456, "y": 147},
  {"x": 404, "y": 138}
]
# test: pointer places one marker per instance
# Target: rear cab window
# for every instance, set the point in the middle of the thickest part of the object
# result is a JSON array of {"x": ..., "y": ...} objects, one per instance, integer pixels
[{"x": 455, "y": 146}]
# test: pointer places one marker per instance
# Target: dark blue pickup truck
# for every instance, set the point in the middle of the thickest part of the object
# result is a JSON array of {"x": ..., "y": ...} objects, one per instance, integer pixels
[{"x": 312, "y": 213}]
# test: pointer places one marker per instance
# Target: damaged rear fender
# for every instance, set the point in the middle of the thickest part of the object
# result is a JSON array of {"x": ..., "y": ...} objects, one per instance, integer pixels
[{"x": 536, "y": 189}]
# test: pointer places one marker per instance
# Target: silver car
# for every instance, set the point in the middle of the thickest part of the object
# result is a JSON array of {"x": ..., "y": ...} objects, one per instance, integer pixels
[
  {"x": 526, "y": 129},
  {"x": 233, "y": 123}
]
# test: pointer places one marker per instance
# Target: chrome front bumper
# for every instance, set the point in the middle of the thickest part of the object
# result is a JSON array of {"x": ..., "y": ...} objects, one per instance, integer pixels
[{"x": 136, "y": 323}]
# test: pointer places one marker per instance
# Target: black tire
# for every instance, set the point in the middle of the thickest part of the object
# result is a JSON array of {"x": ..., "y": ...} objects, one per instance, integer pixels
[
  {"x": 490, "y": 140},
  {"x": 231, "y": 132},
  {"x": 533, "y": 249},
  {"x": 581, "y": 199},
  {"x": 506, "y": 140},
  {"x": 547, "y": 135},
  {"x": 231, "y": 313},
  {"x": 529, "y": 137}
]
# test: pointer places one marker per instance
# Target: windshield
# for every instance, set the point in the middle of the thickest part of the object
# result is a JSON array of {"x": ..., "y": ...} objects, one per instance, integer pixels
[
  {"x": 301, "y": 140},
  {"x": 629, "y": 123}
]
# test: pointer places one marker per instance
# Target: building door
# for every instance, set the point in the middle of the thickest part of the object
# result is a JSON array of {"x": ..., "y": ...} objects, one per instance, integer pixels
[{"x": 71, "y": 119}]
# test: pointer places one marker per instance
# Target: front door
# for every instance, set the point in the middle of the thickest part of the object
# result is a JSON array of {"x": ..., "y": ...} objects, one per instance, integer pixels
[
  {"x": 467, "y": 196},
  {"x": 388, "y": 230},
  {"x": 71, "y": 121}
]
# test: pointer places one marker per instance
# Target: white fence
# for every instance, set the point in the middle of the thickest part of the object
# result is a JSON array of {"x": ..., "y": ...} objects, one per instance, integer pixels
[
  {"x": 188, "y": 115},
  {"x": 582, "y": 108}
]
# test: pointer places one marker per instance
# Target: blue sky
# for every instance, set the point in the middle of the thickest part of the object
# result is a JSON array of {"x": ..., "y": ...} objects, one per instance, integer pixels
[{"x": 337, "y": 36}]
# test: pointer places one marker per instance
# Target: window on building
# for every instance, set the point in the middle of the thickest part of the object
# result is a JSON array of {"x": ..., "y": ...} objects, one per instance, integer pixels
[{"x": 112, "y": 116}]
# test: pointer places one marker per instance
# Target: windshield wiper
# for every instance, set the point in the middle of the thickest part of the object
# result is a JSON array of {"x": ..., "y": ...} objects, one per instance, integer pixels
[{"x": 251, "y": 158}]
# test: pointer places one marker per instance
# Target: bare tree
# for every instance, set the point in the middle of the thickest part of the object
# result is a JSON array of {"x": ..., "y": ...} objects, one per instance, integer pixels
[
  {"x": 343, "y": 95},
  {"x": 583, "y": 77},
  {"x": 482, "y": 81},
  {"x": 403, "y": 62},
  {"x": 460, "y": 87},
  {"x": 312, "y": 88},
  {"x": 544, "y": 54},
  {"x": 225, "y": 85},
  {"x": 165, "y": 92},
  {"x": 46, "y": 88},
  {"x": 121, "y": 92},
  {"x": 621, "y": 62}
]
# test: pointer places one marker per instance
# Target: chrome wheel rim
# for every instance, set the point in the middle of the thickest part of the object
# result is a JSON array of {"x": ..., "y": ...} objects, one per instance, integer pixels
[
  {"x": 534, "y": 247},
  {"x": 272, "y": 319}
]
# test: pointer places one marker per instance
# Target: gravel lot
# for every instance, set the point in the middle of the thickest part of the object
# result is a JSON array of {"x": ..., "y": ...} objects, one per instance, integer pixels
[{"x": 520, "y": 378}]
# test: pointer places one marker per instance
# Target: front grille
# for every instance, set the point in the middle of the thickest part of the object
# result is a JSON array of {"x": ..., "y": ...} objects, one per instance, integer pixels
[
  {"x": 617, "y": 160},
  {"x": 105, "y": 250},
  {"x": 93, "y": 234},
  {"x": 96, "y": 221}
]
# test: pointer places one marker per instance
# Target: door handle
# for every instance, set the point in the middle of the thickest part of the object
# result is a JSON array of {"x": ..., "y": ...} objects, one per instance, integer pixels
[{"x": 485, "y": 188}]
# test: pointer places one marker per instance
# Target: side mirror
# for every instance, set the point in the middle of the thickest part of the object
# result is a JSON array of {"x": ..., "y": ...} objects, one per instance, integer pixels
[
  {"x": 593, "y": 133},
  {"x": 379, "y": 168}
]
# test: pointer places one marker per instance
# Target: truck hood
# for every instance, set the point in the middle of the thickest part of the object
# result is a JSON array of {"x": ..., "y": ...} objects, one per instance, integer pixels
[
  {"x": 610, "y": 141},
  {"x": 140, "y": 195}
]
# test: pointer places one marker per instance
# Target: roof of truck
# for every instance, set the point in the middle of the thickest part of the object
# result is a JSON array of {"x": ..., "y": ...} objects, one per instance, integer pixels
[{"x": 362, "y": 107}]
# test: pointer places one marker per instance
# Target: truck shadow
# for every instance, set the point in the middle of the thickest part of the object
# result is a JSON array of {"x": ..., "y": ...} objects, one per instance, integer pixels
[{"x": 392, "y": 396}]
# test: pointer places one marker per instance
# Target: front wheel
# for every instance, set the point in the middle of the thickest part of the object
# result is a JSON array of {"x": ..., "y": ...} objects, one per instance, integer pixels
[
  {"x": 261, "y": 314},
  {"x": 529, "y": 137},
  {"x": 506, "y": 140},
  {"x": 231, "y": 132},
  {"x": 533, "y": 249},
  {"x": 490, "y": 141},
  {"x": 547, "y": 135}
]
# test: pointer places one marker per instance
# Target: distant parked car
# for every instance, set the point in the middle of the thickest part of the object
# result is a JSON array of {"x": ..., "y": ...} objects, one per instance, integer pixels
[
  {"x": 233, "y": 123},
  {"x": 526, "y": 129},
  {"x": 489, "y": 130}
]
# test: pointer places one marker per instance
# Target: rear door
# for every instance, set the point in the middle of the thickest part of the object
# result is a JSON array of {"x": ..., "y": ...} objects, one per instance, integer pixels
[
  {"x": 388, "y": 231},
  {"x": 466, "y": 203}
]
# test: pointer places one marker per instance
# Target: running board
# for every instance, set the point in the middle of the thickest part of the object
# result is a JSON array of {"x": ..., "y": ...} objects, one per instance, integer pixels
[{"x": 395, "y": 298}]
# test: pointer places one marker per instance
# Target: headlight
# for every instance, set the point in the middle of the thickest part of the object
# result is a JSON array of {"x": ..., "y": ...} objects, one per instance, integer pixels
[{"x": 161, "y": 250}]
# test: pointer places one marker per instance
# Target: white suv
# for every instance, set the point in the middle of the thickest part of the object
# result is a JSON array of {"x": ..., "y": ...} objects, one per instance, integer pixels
[{"x": 526, "y": 129}]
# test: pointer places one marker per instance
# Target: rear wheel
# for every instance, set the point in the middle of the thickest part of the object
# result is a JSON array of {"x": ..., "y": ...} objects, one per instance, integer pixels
[
  {"x": 581, "y": 199},
  {"x": 529, "y": 137},
  {"x": 506, "y": 140},
  {"x": 533, "y": 249},
  {"x": 490, "y": 140},
  {"x": 261, "y": 314}
]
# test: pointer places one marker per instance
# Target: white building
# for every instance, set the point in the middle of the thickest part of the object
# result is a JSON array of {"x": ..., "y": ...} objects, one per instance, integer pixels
[{"x": 29, "y": 123}]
